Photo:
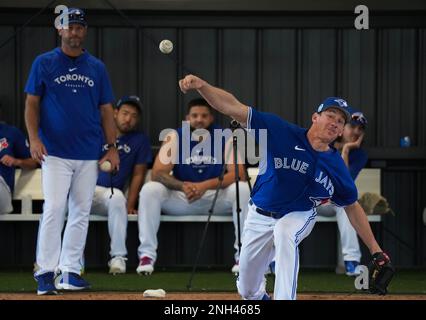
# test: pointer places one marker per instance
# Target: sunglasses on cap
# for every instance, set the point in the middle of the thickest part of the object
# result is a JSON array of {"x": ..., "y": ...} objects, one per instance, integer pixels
[{"x": 359, "y": 117}]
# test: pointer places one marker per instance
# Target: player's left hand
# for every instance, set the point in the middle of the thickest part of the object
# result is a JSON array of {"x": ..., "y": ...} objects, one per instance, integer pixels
[
  {"x": 112, "y": 156},
  {"x": 381, "y": 272},
  {"x": 9, "y": 161}
]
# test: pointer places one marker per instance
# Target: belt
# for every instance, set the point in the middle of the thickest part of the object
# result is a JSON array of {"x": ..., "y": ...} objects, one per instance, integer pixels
[{"x": 275, "y": 215}]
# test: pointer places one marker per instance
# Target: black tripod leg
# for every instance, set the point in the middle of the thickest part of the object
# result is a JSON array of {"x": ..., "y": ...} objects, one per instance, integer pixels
[
  {"x": 203, "y": 238},
  {"x": 237, "y": 186}
]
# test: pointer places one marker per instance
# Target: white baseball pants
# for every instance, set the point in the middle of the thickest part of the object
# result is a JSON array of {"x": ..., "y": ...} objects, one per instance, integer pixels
[
  {"x": 261, "y": 235},
  {"x": 5, "y": 197},
  {"x": 65, "y": 183},
  {"x": 115, "y": 208},
  {"x": 348, "y": 235},
  {"x": 155, "y": 198}
]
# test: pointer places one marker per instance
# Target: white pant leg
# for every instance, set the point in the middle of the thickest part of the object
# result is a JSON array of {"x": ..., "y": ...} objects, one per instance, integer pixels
[
  {"x": 151, "y": 196},
  {"x": 155, "y": 197},
  {"x": 5, "y": 197},
  {"x": 226, "y": 204},
  {"x": 56, "y": 181},
  {"x": 228, "y": 196},
  {"x": 115, "y": 208},
  {"x": 348, "y": 237},
  {"x": 256, "y": 253},
  {"x": 177, "y": 204},
  {"x": 289, "y": 232},
  {"x": 83, "y": 185}
]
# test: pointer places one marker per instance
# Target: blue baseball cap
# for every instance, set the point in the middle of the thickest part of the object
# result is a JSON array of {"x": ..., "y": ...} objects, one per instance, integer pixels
[
  {"x": 76, "y": 15},
  {"x": 357, "y": 117},
  {"x": 338, "y": 103},
  {"x": 132, "y": 100}
]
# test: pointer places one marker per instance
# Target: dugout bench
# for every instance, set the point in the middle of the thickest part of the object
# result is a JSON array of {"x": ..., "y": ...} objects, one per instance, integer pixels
[{"x": 28, "y": 190}]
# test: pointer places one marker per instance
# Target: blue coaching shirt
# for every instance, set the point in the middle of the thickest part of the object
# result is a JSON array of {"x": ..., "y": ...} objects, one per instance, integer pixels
[
  {"x": 200, "y": 166},
  {"x": 297, "y": 177},
  {"x": 12, "y": 143},
  {"x": 133, "y": 148},
  {"x": 71, "y": 91}
]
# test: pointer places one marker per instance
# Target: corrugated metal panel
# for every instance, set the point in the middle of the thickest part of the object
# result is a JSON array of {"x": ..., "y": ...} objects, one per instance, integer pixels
[
  {"x": 286, "y": 71},
  {"x": 159, "y": 83},
  {"x": 359, "y": 74},
  {"x": 119, "y": 53},
  {"x": 399, "y": 231},
  {"x": 396, "y": 116},
  {"x": 318, "y": 71},
  {"x": 8, "y": 86},
  {"x": 421, "y": 88},
  {"x": 278, "y": 76}
]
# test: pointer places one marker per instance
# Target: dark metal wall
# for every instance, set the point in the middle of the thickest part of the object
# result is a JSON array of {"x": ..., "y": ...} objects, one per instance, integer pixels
[
  {"x": 281, "y": 64},
  {"x": 283, "y": 70}
]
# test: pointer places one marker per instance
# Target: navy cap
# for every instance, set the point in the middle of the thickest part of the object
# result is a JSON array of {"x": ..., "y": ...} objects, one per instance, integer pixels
[
  {"x": 76, "y": 15},
  {"x": 132, "y": 100},
  {"x": 338, "y": 103},
  {"x": 357, "y": 117}
]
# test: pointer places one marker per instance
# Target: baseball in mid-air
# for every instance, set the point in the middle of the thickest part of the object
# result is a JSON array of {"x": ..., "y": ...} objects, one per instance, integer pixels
[
  {"x": 166, "y": 46},
  {"x": 106, "y": 166}
]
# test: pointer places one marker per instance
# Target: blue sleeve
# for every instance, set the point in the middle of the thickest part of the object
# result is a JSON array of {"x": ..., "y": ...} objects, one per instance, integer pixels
[
  {"x": 106, "y": 93},
  {"x": 35, "y": 85},
  {"x": 20, "y": 147},
  {"x": 263, "y": 120},
  {"x": 357, "y": 161},
  {"x": 144, "y": 152},
  {"x": 345, "y": 192}
]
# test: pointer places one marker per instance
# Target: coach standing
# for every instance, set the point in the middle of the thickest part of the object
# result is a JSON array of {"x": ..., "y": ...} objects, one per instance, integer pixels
[{"x": 68, "y": 102}]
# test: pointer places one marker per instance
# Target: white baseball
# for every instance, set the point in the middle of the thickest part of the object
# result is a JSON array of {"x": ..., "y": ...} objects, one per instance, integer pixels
[
  {"x": 166, "y": 46},
  {"x": 106, "y": 166}
]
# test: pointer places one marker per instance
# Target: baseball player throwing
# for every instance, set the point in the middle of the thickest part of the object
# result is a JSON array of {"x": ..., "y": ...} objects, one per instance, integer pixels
[
  {"x": 68, "y": 101},
  {"x": 301, "y": 171}
]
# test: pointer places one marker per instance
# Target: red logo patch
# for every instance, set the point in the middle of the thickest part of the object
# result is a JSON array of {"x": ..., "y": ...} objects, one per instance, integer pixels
[{"x": 3, "y": 144}]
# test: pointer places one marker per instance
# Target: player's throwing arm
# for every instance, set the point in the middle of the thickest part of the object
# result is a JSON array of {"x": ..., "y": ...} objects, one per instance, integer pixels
[{"x": 219, "y": 99}]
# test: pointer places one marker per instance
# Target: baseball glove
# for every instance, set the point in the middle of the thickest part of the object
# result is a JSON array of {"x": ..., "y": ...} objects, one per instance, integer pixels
[
  {"x": 381, "y": 272},
  {"x": 374, "y": 203}
]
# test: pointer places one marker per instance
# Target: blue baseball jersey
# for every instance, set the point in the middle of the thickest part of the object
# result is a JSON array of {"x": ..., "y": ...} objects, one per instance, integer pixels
[
  {"x": 296, "y": 177},
  {"x": 133, "y": 148},
  {"x": 357, "y": 160},
  {"x": 12, "y": 143},
  {"x": 71, "y": 91},
  {"x": 197, "y": 166}
]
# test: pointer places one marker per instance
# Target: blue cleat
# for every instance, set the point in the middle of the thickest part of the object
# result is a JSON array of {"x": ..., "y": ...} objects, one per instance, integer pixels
[
  {"x": 72, "y": 281},
  {"x": 266, "y": 297},
  {"x": 272, "y": 267},
  {"x": 45, "y": 284},
  {"x": 350, "y": 267}
]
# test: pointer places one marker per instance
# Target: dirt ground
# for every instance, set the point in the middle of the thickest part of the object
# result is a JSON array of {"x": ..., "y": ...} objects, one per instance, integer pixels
[{"x": 194, "y": 296}]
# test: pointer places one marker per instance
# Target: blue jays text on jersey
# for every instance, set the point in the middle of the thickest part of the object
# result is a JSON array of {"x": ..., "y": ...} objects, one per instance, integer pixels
[
  {"x": 296, "y": 177},
  {"x": 71, "y": 91}
]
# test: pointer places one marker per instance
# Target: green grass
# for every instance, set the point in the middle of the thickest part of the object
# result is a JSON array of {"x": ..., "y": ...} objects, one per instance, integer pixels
[{"x": 404, "y": 282}]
